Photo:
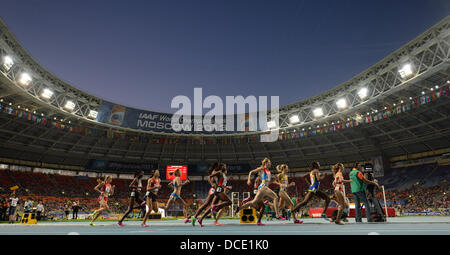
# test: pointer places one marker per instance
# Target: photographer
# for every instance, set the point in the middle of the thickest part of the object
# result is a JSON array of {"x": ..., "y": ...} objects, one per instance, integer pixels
[
  {"x": 28, "y": 205},
  {"x": 40, "y": 211},
  {"x": 75, "y": 208},
  {"x": 358, "y": 186}
]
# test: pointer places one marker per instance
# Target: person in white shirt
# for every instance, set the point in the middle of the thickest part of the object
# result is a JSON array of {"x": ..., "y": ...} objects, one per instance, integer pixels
[
  {"x": 28, "y": 206},
  {"x": 13, "y": 201},
  {"x": 39, "y": 210}
]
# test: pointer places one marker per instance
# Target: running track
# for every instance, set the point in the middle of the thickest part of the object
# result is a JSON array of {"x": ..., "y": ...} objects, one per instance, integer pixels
[{"x": 395, "y": 226}]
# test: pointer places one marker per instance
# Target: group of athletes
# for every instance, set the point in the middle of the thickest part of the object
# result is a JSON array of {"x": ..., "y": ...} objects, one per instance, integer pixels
[{"x": 218, "y": 200}]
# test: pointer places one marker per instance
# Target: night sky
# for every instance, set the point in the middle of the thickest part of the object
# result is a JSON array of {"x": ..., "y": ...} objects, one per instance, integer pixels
[{"x": 143, "y": 53}]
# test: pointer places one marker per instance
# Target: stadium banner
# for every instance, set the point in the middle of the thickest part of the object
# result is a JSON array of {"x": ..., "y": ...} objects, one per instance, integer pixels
[
  {"x": 202, "y": 169},
  {"x": 378, "y": 169},
  {"x": 238, "y": 168},
  {"x": 128, "y": 117},
  {"x": 121, "y": 166}
]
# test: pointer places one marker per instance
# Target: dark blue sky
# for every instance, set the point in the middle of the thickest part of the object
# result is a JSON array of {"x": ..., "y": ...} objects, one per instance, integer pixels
[{"x": 143, "y": 53}]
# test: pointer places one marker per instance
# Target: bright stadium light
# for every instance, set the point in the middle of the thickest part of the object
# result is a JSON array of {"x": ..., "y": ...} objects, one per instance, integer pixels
[
  {"x": 341, "y": 103},
  {"x": 25, "y": 79},
  {"x": 318, "y": 112},
  {"x": 47, "y": 93},
  {"x": 93, "y": 114},
  {"x": 7, "y": 63},
  {"x": 406, "y": 71},
  {"x": 271, "y": 124},
  {"x": 363, "y": 92},
  {"x": 70, "y": 105},
  {"x": 294, "y": 119}
]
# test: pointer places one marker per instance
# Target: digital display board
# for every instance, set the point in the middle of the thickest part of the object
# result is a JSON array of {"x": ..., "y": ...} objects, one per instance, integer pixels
[{"x": 171, "y": 169}]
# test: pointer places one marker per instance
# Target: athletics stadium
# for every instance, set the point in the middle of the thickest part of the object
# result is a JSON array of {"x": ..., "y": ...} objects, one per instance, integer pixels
[{"x": 57, "y": 141}]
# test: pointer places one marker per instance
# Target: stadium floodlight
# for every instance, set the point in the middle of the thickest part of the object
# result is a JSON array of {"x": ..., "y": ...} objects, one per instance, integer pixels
[
  {"x": 25, "y": 79},
  {"x": 363, "y": 92},
  {"x": 93, "y": 114},
  {"x": 271, "y": 124},
  {"x": 47, "y": 93},
  {"x": 406, "y": 70},
  {"x": 318, "y": 112},
  {"x": 341, "y": 103},
  {"x": 294, "y": 119},
  {"x": 7, "y": 63},
  {"x": 70, "y": 105}
]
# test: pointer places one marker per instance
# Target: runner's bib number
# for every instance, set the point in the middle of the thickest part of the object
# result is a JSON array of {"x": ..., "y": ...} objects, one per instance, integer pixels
[{"x": 219, "y": 189}]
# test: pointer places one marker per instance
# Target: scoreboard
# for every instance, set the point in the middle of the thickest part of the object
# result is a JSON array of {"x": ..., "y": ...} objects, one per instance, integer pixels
[{"x": 171, "y": 169}]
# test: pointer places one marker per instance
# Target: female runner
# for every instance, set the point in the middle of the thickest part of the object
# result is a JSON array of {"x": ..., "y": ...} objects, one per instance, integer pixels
[
  {"x": 135, "y": 195},
  {"x": 284, "y": 184},
  {"x": 261, "y": 206},
  {"x": 153, "y": 186},
  {"x": 211, "y": 192},
  {"x": 263, "y": 189},
  {"x": 313, "y": 190},
  {"x": 175, "y": 196},
  {"x": 220, "y": 193},
  {"x": 339, "y": 190},
  {"x": 106, "y": 190}
]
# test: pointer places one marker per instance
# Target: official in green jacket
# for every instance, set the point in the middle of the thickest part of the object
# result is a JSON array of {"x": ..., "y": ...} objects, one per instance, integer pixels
[{"x": 358, "y": 186}]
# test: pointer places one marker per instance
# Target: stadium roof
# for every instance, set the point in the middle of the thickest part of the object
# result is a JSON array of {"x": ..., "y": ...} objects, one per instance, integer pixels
[{"x": 417, "y": 69}]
